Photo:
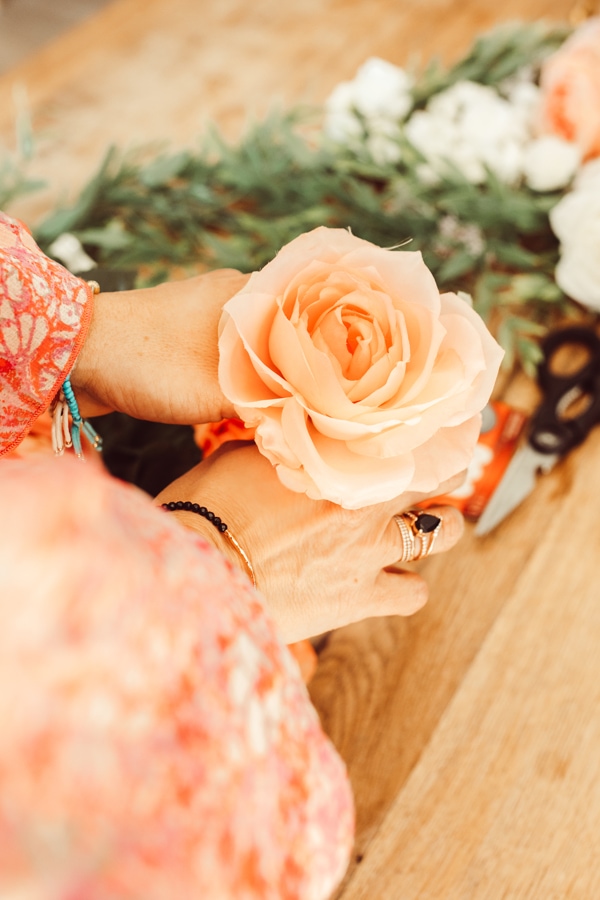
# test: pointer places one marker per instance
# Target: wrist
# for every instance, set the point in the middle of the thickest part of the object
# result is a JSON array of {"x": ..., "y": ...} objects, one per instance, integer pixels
[
  {"x": 152, "y": 353},
  {"x": 105, "y": 331},
  {"x": 218, "y": 533}
]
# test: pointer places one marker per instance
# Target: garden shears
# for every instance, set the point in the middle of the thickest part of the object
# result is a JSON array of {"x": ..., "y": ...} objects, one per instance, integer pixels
[{"x": 569, "y": 410}]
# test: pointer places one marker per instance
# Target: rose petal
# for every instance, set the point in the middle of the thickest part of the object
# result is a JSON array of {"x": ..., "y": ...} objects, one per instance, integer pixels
[
  {"x": 307, "y": 367},
  {"x": 337, "y": 473},
  {"x": 446, "y": 454},
  {"x": 236, "y": 356}
]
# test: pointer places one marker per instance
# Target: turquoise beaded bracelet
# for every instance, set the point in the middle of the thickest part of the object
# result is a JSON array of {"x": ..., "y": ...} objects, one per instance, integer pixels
[{"x": 63, "y": 434}]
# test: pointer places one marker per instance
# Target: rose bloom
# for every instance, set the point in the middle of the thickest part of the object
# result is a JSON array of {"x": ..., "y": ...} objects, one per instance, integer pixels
[
  {"x": 361, "y": 379},
  {"x": 570, "y": 82}
]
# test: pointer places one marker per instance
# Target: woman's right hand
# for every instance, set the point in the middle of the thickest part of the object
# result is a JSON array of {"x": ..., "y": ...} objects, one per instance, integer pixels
[
  {"x": 318, "y": 566},
  {"x": 152, "y": 353}
]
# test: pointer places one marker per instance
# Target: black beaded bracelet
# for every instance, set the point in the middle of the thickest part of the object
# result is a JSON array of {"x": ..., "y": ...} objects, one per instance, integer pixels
[
  {"x": 187, "y": 506},
  {"x": 199, "y": 510}
]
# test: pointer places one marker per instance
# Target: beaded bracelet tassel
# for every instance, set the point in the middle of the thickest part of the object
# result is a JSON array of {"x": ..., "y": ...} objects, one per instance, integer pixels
[{"x": 65, "y": 437}]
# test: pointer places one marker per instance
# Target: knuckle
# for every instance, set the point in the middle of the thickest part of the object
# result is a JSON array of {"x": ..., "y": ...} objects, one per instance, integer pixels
[{"x": 353, "y": 519}]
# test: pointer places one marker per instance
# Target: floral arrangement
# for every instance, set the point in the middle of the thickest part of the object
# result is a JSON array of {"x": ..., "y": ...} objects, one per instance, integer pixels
[{"x": 489, "y": 168}]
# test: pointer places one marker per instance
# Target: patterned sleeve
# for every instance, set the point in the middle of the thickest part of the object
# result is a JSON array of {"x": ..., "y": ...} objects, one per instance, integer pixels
[
  {"x": 44, "y": 315},
  {"x": 157, "y": 741}
]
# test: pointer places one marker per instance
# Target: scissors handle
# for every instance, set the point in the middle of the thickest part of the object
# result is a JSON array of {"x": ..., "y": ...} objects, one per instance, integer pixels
[{"x": 551, "y": 431}]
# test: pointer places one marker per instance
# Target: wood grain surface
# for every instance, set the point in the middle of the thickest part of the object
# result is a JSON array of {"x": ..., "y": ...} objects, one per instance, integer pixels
[
  {"x": 471, "y": 731},
  {"x": 26, "y": 25}
]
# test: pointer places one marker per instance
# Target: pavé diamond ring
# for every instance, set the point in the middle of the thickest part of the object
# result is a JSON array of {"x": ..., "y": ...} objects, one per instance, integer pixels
[{"x": 419, "y": 531}]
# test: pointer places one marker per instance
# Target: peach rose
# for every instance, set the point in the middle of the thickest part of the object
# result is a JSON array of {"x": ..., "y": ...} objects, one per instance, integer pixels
[
  {"x": 361, "y": 380},
  {"x": 570, "y": 83}
]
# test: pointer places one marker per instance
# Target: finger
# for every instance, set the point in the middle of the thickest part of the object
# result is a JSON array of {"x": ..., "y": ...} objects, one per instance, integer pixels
[
  {"x": 453, "y": 526},
  {"x": 449, "y": 533},
  {"x": 398, "y": 594}
]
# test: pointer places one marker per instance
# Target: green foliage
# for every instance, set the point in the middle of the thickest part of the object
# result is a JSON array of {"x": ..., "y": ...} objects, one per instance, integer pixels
[
  {"x": 494, "y": 57},
  {"x": 235, "y": 205}
]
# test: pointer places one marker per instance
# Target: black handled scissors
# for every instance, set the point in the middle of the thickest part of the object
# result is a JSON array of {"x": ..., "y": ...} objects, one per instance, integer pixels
[{"x": 569, "y": 410}]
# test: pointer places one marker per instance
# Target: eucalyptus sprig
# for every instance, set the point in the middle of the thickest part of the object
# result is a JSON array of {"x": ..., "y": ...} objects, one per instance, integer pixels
[{"x": 494, "y": 57}]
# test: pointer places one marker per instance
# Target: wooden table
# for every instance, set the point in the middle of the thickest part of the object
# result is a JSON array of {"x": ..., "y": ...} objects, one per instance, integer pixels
[{"x": 472, "y": 730}]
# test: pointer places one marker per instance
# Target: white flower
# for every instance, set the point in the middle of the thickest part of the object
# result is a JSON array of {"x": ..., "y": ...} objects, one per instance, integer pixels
[
  {"x": 470, "y": 236},
  {"x": 380, "y": 88},
  {"x": 549, "y": 163},
  {"x": 375, "y": 101},
  {"x": 576, "y": 222},
  {"x": 473, "y": 128},
  {"x": 68, "y": 249},
  {"x": 524, "y": 97},
  {"x": 588, "y": 177},
  {"x": 383, "y": 148},
  {"x": 341, "y": 122},
  {"x": 431, "y": 135}
]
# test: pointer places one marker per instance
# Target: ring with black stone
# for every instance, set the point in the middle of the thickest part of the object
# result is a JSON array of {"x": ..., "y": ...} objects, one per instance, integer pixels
[{"x": 413, "y": 525}]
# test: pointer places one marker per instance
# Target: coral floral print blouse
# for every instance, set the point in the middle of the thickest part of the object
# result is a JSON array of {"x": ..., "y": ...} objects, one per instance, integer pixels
[{"x": 157, "y": 741}]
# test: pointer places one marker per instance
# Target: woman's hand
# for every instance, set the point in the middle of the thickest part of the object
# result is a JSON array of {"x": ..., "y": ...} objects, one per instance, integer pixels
[
  {"x": 153, "y": 353},
  {"x": 317, "y": 565}
]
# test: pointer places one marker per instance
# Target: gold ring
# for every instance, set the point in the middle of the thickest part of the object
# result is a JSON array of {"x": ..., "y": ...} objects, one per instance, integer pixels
[{"x": 413, "y": 525}]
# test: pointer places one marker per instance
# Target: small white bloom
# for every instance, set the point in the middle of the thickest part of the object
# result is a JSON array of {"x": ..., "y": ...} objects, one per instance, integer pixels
[
  {"x": 371, "y": 107},
  {"x": 549, "y": 163},
  {"x": 473, "y": 128},
  {"x": 506, "y": 161},
  {"x": 576, "y": 222},
  {"x": 463, "y": 95},
  {"x": 341, "y": 123},
  {"x": 68, "y": 249},
  {"x": 380, "y": 88},
  {"x": 470, "y": 236},
  {"x": 524, "y": 97},
  {"x": 466, "y": 158},
  {"x": 430, "y": 134},
  {"x": 383, "y": 148},
  {"x": 588, "y": 177},
  {"x": 578, "y": 275},
  {"x": 427, "y": 175}
]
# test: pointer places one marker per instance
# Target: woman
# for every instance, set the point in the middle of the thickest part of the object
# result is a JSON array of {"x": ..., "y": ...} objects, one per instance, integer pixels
[{"x": 157, "y": 740}]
